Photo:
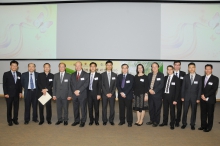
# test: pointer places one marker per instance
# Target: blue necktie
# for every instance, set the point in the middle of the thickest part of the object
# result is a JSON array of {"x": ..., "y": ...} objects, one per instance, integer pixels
[
  {"x": 31, "y": 82},
  {"x": 123, "y": 82}
]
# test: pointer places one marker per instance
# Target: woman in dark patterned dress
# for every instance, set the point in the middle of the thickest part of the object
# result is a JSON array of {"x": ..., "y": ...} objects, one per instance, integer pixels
[{"x": 140, "y": 94}]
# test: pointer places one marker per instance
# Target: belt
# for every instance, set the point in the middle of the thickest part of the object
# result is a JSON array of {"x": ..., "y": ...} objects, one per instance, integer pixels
[{"x": 31, "y": 89}]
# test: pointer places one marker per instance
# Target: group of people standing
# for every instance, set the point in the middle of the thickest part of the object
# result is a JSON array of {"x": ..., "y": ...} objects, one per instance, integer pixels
[{"x": 177, "y": 90}]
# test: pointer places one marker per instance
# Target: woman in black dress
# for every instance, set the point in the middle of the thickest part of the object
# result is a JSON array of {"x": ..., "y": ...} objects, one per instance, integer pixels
[{"x": 140, "y": 94}]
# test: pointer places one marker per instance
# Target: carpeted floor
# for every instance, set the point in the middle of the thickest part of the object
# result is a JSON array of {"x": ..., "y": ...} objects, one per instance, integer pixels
[{"x": 33, "y": 134}]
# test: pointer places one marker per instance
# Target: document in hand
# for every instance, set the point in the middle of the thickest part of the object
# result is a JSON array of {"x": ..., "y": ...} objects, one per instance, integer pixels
[{"x": 45, "y": 98}]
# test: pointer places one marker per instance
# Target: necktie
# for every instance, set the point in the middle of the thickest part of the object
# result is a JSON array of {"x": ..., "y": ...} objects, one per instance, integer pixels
[
  {"x": 14, "y": 77},
  {"x": 77, "y": 77},
  {"x": 206, "y": 80},
  {"x": 191, "y": 79},
  {"x": 177, "y": 75},
  {"x": 31, "y": 82},
  {"x": 91, "y": 81},
  {"x": 168, "y": 85},
  {"x": 109, "y": 79},
  {"x": 123, "y": 82},
  {"x": 61, "y": 78}
]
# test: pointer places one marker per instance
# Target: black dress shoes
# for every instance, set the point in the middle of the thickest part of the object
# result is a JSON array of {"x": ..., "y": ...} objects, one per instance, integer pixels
[
  {"x": 171, "y": 127},
  {"x": 58, "y": 122},
  {"x": 82, "y": 124},
  {"x": 192, "y": 127},
  {"x": 112, "y": 123},
  {"x": 10, "y": 123},
  {"x": 41, "y": 122},
  {"x": 15, "y": 122},
  {"x": 49, "y": 122},
  {"x": 163, "y": 124},
  {"x": 36, "y": 121},
  {"x": 75, "y": 123},
  {"x": 96, "y": 123},
  {"x": 90, "y": 123},
  {"x": 26, "y": 122},
  {"x": 207, "y": 130},
  {"x": 183, "y": 126},
  {"x": 65, "y": 123},
  {"x": 135, "y": 123},
  {"x": 155, "y": 125},
  {"x": 121, "y": 123},
  {"x": 201, "y": 128},
  {"x": 129, "y": 125},
  {"x": 104, "y": 123},
  {"x": 177, "y": 124},
  {"x": 149, "y": 123}
]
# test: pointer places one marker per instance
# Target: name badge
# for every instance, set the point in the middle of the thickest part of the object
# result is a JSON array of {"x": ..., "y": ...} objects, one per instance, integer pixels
[
  {"x": 113, "y": 78},
  {"x": 181, "y": 78},
  {"x": 195, "y": 82},
  {"x": 142, "y": 80},
  {"x": 128, "y": 81},
  {"x": 158, "y": 79},
  {"x": 82, "y": 79},
  {"x": 172, "y": 83},
  {"x": 19, "y": 78},
  {"x": 210, "y": 83},
  {"x": 66, "y": 80},
  {"x": 96, "y": 78},
  {"x": 50, "y": 80}
]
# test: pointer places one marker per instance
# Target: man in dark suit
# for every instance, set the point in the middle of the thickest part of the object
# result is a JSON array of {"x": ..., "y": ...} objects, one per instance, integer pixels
[
  {"x": 79, "y": 84},
  {"x": 124, "y": 85},
  {"x": 180, "y": 74},
  {"x": 191, "y": 93},
  {"x": 170, "y": 96},
  {"x": 62, "y": 93},
  {"x": 155, "y": 88},
  {"x": 45, "y": 84},
  {"x": 12, "y": 91},
  {"x": 29, "y": 83},
  {"x": 208, "y": 98},
  {"x": 108, "y": 93},
  {"x": 94, "y": 93}
]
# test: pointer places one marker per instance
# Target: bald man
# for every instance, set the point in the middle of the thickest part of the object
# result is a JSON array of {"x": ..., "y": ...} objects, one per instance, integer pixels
[{"x": 79, "y": 84}]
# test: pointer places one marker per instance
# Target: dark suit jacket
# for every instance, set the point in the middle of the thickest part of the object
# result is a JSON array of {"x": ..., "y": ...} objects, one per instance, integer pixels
[
  {"x": 181, "y": 77},
  {"x": 45, "y": 83},
  {"x": 191, "y": 92},
  {"x": 174, "y": 88},
  {"x": 9, "y": 86},
  {"x": 158, "y": 84},
  {"x": 25, "y": 81},
  {"x": 105, "y": 85},
  {"x": 96, "y": 84},
  {"x": 62, "y": 90},
  {"x": 81, "y": 85},
  {"x": 210, "y": 89},
  {"x": 128, "y": 88}
]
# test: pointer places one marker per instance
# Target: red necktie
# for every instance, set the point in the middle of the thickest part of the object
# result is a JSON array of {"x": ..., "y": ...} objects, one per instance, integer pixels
[{"x": 77, "y": 77}]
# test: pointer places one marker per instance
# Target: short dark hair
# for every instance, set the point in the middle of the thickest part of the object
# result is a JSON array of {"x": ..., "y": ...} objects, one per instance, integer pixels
[
  {"x": 14, "y": 61},
  {"x": 62, "y": 63},
  {"x": 191, "y": 63},
  {"x": 109, "y": 61},
  {"x": 155, "y": 63},
  {"x": 141, "y": 66},
  {"x": 124, "y": 65},
  {"x": 32, "y": 63},
  {"x": 170, "y": 66},
  {"x": 93, "y": 63},
  {"x": 209, "y": 65},
  {"x": 46, "y": 64},
  {"x": 177, "y": 61}
]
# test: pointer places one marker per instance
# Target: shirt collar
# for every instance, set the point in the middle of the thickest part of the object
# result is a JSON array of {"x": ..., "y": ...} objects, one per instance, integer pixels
[
  {"x": 79, "y": 71},
  {"x": 178, "y": 72},
  {"x": 13, "y": 71},
  {"x": 208, "y": 76},
  {"x": 171, "y": 75},
  {"x": 31, "y": 73},
  {"x": 62, "y": 73}
]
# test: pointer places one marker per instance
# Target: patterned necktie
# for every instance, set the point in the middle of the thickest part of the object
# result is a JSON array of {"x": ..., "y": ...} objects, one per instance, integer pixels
[
  {"x": 191, "y": 79},
  {"x": 31, "y": 82},
  {"x": 206, "y": 80},
  {"x": 14, "y": 77},
  {"x": 61, "y": 78},
  {"x": 77, "y": 77},
  {"x": 109, "y": 79},
  {"x": 91, "y": 81},
  {"x": 168, "y": 85},
  {"x": 123, "y": 82}
]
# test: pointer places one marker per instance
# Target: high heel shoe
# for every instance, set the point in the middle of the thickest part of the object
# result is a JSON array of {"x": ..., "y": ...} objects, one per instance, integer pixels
[
  {"x": 135, "y": 123},
  {"x": 140, "y": 124}
]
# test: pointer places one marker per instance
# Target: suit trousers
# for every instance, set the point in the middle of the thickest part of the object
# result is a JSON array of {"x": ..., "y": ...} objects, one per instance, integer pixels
[
  {"x": 105, "y": 101},
  {"x": 30, "y": 100},
  {"x": 125, "y": 103},
  {"x": 168, "y": 106},
  {"x": 207, "y": 114},
  {"x": 179, "y": 107},
  {"x": 12, "y": 102},
  {"x": 48, "y": 111},
  {"x": 155, "y": 104},
  {"x": 79, "y": 102},
  {"x": 62, "y": 109},
  {"x": 93, "y": 103},
  {"x": 186, "y": 105}
]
